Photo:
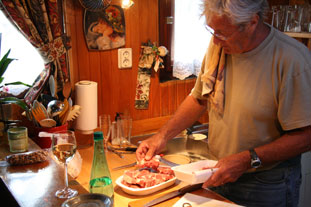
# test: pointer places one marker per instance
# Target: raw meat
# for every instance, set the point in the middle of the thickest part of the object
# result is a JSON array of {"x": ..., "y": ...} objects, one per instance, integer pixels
[
  {"x": 145, "y": 178},
  {"x": 153, "y": 163}
]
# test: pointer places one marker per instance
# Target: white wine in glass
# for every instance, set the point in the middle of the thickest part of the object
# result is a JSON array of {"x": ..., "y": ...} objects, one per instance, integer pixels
[{"x": 64, "y": 147}]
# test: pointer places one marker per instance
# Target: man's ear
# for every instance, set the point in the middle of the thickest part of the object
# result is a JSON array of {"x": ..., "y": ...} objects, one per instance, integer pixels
[{"x": 253, "y": 23}]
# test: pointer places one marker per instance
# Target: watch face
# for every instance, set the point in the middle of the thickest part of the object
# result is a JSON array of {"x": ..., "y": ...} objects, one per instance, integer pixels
[{"x": 255, "y": 163}]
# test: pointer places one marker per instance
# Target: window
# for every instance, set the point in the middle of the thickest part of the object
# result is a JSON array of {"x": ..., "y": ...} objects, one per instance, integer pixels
[
  {"x": 186, "y": 39},
  {"x": 29, "y": 63}
]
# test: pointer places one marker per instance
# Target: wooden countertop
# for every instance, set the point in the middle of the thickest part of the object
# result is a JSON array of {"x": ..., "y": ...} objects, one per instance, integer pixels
[
  {"x": 122, "y": 199},
  {"x": 33, "y": 185}
]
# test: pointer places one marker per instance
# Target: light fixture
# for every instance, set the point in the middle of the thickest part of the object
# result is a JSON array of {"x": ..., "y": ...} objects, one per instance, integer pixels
[{"x": 127, "y": 4}]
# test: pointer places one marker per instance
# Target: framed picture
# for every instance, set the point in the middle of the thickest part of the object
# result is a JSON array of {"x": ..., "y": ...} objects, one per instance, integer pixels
[{"x": 104, "y": 30}]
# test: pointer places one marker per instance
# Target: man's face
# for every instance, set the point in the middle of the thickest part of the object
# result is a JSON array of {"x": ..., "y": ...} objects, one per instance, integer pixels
[{"x": 236, "y": 38}]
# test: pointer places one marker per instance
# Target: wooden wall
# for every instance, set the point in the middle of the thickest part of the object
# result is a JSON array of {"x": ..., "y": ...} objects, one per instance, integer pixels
[{"x": 116, "y": 88}]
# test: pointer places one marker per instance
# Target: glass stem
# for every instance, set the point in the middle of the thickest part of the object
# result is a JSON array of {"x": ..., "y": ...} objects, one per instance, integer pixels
[{"x": 66, "y": 175}]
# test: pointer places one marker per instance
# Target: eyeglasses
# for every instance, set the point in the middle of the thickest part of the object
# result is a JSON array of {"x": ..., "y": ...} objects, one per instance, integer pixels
[{"x": 219, "y": 36}]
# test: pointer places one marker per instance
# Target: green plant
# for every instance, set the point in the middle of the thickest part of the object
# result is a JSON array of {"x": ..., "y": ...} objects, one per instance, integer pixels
[{"x": 4, "y": 64}]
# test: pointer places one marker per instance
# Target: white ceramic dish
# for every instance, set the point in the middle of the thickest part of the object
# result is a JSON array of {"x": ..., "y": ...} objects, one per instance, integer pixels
[
  {"x": 192, "y": 173},
  {"x": 144, "y": 191}
]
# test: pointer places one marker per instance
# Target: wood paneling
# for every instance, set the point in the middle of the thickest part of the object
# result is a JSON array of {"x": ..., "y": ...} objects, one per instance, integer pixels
[{"x": 116, "y": 88}]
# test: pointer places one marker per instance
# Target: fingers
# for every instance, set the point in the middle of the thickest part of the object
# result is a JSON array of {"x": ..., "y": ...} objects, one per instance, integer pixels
[
  {"x": 142, "y": 151},
  {"x": 150, "y": 153},
  {"x": 215, "y": 180}
]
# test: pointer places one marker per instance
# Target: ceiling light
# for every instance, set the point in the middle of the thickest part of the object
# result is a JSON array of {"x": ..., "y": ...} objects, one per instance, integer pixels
[{"x": 127, "y": 4}]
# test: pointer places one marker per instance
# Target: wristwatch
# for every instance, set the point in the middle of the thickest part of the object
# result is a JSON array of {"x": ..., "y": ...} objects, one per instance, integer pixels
[{"x": 255, "y": 161}]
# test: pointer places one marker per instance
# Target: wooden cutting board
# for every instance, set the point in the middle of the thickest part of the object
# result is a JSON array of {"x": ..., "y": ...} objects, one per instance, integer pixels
[{"x": 171, "y": 202}]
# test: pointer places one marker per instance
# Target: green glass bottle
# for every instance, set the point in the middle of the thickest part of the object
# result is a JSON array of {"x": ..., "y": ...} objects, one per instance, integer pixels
[{"x": 100, "y": 181}]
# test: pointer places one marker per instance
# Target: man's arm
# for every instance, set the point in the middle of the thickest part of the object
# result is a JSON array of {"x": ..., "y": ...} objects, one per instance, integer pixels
[
  {"x": 187, "y": 113},
  {"x": 287, "y": 146}
]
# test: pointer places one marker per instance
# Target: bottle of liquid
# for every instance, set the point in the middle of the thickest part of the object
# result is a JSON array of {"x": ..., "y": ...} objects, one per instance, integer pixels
[{"x": 100, "y": 181}]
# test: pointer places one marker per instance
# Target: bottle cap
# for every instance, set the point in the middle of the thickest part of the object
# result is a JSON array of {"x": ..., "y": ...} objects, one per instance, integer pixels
[{"x": 98, "y": 135}]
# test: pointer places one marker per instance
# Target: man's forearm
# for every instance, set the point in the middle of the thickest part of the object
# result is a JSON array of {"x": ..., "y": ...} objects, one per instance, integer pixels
[
  {"x": 289, "y": 145},
  {"x": 187, "y": 113}
]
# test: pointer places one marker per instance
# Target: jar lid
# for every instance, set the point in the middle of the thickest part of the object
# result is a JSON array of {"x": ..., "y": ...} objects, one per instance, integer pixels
[
  {"x": 17, "y": 133},
  {"x": 98, "y": 135}
]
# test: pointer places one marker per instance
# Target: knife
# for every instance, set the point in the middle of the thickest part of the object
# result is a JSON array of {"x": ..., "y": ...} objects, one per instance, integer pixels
[
  {"x": 125, "y": 166},
  {"x": 173, "y": 194},
  {"x": 169, "y": 163},
  {"x": 131, "y": 149}
]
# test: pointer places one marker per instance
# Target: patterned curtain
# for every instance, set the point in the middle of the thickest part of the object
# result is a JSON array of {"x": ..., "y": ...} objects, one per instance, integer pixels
[{"x": 41, "y": 22}]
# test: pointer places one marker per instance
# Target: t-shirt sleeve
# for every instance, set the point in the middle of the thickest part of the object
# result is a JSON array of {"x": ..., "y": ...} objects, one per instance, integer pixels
[{"x": 196, "y": 91}]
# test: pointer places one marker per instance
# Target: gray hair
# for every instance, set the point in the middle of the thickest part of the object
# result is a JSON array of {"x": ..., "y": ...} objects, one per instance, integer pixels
[{"x": 239, "y": 11}]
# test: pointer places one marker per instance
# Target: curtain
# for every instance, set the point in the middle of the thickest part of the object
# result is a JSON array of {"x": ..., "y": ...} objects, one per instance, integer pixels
[
  {"x": 41, "y": 22},
  {"x": 190, "y": 38}
]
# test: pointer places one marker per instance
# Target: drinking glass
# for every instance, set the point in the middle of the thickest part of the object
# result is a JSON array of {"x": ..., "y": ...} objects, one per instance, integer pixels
[
  {"x": 64, "y": 147},
  {"x": 105, "y": 127},
  {"x": 127, "y": 130}
]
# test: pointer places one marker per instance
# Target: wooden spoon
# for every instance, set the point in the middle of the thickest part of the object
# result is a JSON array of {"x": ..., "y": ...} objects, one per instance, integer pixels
[
  {"x": 47, "y": 123},
  {"x": 67, "y": 90}
]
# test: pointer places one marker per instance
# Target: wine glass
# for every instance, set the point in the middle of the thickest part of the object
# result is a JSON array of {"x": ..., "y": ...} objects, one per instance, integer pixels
[
  {"x": 105, "y": 127},
  {"x": 64, "y": 147}
]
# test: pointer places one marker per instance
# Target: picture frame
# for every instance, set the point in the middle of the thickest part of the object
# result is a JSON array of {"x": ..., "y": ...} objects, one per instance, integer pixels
[{"x": 104, "y": 30}]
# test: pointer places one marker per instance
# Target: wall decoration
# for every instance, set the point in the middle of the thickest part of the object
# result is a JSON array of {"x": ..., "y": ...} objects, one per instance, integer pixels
[
  {"x": 150, "y": 58},
  {"x": 104, "y": 30}
]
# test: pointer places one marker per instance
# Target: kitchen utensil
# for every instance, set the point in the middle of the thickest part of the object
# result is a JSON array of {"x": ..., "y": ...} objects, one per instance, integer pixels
[
  {"x": 42, "y": 108},
  {"x": 149, "y": 169},
  {"x": 74, "y": 113},
  {"x": 48, "y": 122},
  {"x": 64, "y": 118},
  {"x": 67, "y": 90},
  {"x": 38, "y": 110},
  {"x": 66, "y": 105},
  {"x": 130, "y": 149},
  {"x": 125, "y": 166},
  {"x": 55, "y": 107},
  {"x": 114, "y": 151},
  {"x": 52, "y": 85},
  {"x": 173, "y": 194},
  {"x": 167, "y": 162}
]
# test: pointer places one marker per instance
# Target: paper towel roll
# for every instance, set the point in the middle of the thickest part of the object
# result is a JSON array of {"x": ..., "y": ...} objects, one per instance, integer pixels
[{"x": 86, "y": 97}]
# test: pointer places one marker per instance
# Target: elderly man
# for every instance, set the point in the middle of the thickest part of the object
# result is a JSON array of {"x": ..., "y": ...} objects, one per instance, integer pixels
[{"x": 256, "y": 84}]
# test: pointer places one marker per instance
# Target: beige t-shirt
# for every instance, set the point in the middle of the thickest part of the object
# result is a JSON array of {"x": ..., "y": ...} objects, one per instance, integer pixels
[{"x": 267, "y": 91}]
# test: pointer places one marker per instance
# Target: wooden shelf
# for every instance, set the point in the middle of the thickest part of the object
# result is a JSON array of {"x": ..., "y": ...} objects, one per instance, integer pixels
[
  {"x": 304, "y": 35},
  {"x": 299, "y": 34}
]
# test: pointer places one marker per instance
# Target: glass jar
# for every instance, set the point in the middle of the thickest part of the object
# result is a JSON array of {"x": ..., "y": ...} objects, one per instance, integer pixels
[{"x": 18, "y": 139}]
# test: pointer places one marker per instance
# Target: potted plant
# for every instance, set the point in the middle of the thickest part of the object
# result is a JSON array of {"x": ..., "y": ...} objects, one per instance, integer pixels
[{"x": 4, "y": 64}]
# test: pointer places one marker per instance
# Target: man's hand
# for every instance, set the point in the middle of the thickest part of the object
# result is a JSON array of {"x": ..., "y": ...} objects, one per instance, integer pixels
[
  {"x": 150, "y": 147},
  {"x": 229, "y": 169}
]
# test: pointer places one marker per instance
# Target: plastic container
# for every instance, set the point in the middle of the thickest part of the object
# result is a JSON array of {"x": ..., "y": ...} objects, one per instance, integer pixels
[{"x": 194, "y": 173}]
